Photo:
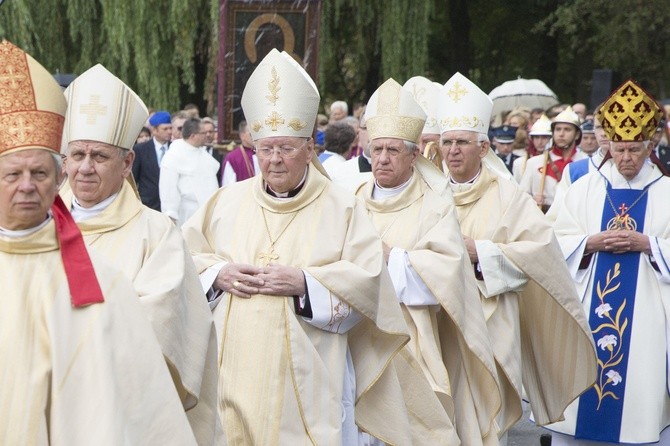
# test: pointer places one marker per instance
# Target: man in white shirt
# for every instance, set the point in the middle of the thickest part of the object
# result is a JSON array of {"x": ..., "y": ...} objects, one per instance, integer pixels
[{"x": 188, "y": 174}]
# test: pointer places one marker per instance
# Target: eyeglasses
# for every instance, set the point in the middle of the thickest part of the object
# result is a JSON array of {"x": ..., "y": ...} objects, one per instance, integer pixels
[
  {"x": 460, "y": 143},
  {"x": 285, "y": 151}
]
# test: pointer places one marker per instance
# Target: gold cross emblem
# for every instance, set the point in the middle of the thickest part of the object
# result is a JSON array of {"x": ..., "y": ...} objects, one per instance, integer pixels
[
  {"x": 267, "y": 258},
  {"x": 93, "y": 109},
  {"x": 456, "y": 92},
  {"x": 12, "y": 78},
  {"x": 274, "y": 120},
  {"x": 21, "y": 128}
]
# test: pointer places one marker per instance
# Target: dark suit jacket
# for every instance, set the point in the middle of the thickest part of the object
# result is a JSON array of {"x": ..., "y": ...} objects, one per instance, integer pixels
[
  {"x": 511, "y": 160},
  {"x": 219, "y": 157},
  {"x": 146, "y": 173},
  {"x": 664, "y": 156}
]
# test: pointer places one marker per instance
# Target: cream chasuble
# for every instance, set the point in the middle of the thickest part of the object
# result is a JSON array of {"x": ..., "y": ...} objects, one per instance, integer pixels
[
  {"x": 450, "y": 343},
  {"x": 78, "y": 376},
  {"x": 280, "y": 378},
  {"x": 540, "y": 336},
  {"x": 147, "y": 247}
]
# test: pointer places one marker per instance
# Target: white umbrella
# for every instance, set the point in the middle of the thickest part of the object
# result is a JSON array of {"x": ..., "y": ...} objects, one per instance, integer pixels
[{"x": 531, "y": 93}]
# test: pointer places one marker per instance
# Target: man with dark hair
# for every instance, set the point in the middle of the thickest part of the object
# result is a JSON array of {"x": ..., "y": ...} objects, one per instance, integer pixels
[
  {"x": 188, "y": 176},
  {"x": 340, "y": 137},
  {"x": 241, "y": 163},
  {"x": 148, "y": 158}
]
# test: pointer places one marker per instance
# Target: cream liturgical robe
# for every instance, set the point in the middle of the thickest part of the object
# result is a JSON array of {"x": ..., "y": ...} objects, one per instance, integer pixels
[
  {"x": 449, "y": 338},
  {"x": 539, "y": 333},
  {"x": 78, "y": 376},
  {"x": 281, "y": 378},
  {"x": 147, "y": 247},
  {"x": 625, "y": 297}
]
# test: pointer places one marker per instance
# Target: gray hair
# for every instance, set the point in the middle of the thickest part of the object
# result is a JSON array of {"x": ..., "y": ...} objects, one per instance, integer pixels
[
  {"x": 411, "y": 146},
  {"x": 58, "y": 162},
  {"x": 339, "y": 104}
]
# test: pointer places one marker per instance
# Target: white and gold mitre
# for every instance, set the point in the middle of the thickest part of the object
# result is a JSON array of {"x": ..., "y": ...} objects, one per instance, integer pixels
[
  {"x": 464, "y": 106},
  {"x": 102, "y": 108},
  {"x": 280, "y": 99},
  {"x": 426, "y": 93},
  {"x": 392, "y": 112}
]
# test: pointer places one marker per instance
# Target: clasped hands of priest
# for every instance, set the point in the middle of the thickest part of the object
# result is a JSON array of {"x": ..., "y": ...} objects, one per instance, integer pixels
[
  {"x": 618, "y": 241},
  {"x": 245, "y": 280}
]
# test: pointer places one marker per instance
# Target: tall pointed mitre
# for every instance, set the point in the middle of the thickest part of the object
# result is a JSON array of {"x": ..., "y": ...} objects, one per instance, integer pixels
[
  {"x": 629, "y": 114},
  {"x": 102, "y": 108},
  {"x": 392, "y": 112},
  {"x": 427, "y": 94},
  {"x": 280, "y": 99},
  {"x": 32, "y": 109},
  {"x": 32, "y": 106},
  {"x": 464, "y": 106}
]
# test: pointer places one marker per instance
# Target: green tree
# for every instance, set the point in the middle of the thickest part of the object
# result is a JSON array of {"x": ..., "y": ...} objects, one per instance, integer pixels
[{"x": 161, "y": 48}]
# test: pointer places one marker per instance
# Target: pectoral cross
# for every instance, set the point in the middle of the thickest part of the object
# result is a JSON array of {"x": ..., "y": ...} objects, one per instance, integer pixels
[
  {"x": 267, "y": 257},
  {"x": 624, "y": 209}
]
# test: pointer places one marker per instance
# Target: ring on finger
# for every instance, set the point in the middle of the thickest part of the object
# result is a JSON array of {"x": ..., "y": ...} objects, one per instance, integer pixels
[{"x": 236, "y": 284}]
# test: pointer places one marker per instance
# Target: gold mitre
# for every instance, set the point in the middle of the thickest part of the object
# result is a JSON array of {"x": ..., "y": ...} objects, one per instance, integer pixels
[
  {"x": 392, "y": 112},
  {"x": 464, "y": 106},
  {"x": 32, "y": 106},
  {"x": 426, "y": 93},
  {"x": 629, "y": 114},
  {"x": 541, "y": 127},
  {"x": 102, "y": 108},
  {"x": 280, "y": 99}
]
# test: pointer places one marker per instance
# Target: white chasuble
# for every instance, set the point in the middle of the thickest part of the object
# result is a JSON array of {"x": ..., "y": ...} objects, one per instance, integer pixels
[
  {"x": 149, "y": 249},
  {"x": 281, "y": 378},
  {"x": 540, "y": 336},
  {"x": 78, "y": 376},
  {"x": 630, "y": 399},
  {"x": 450, "y": 339}
]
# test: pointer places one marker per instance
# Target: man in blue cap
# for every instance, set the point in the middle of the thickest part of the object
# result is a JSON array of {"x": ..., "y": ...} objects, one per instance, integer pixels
[
  {"x": 503, "y": 140},
  {"x": 148, "y": 157}
]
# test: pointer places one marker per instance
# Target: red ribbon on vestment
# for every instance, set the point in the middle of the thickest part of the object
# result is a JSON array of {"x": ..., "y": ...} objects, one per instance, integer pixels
[{"x": 81, "y": 278}]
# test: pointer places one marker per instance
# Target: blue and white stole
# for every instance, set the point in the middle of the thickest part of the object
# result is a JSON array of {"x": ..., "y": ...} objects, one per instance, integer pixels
[{"x": 611, "y": 319}]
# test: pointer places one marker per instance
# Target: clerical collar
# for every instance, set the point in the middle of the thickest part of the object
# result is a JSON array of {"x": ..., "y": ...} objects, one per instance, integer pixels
[
  {"x": 80, "y": 213},
  {"x": 471, "y": 181},
  {"x": 289, "y": 194},
  {"x": 24, "y": 232},
  {"x": 380, "y": 193},
  {"x": 618, "y": 181}
]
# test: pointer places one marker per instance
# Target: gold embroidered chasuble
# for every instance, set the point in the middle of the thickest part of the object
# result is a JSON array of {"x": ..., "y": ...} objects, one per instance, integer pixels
[
  {"x": 78, "y": 376},
  {"x": 280, "y": 378},
  {"x": 149, "y": 249},
  {"x": 451, "y": 343},
  {"x": 540, "y": 336}
]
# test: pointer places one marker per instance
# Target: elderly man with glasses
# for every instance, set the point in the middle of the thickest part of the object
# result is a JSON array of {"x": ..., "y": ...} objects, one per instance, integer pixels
[
  {"x": 539, "y": 336},
  {"x": 307, "y": 319}
]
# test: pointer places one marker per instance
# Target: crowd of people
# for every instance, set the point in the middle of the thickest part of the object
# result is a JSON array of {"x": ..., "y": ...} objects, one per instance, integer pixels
[{"x": 407, "y": 275}]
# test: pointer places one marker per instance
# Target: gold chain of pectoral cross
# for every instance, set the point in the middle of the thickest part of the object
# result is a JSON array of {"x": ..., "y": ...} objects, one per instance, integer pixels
[
  {"x": 623, "y": 220},
  {"x": 268, "y": 257}
]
